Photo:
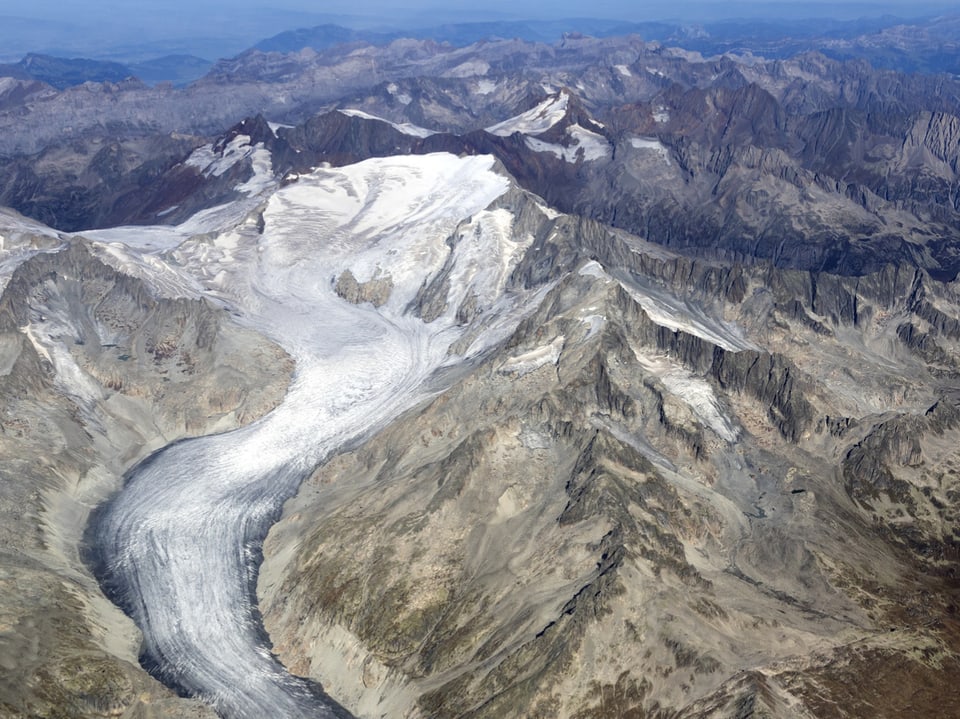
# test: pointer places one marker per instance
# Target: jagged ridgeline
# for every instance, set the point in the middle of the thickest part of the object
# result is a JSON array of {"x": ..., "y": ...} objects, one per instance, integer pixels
[
  {"x": 679, "y": 488},
  {"x": 625, "y": 383},
  {"x": 98, "y": 371},
  {"x": 805, "y": 162}
]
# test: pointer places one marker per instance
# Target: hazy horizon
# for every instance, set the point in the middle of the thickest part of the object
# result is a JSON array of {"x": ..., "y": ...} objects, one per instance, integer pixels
[{"x": 221, "y": 28}]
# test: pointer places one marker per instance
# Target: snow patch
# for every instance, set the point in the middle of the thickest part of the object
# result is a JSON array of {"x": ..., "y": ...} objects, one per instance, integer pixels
[
  {"x": 675, "y": 314},
  {"x": 694, "y": 391},
  {"x": 402, "y": 97},
  {"x": 652, "y": 145},
  {"x": 661, "y": 115},
  {"x": 213, "y": 163},
  {"x": 548, "y": 212},
  {"x": 595, "y": 146},
  {"x": 485, "y": 87},
  {"x": 624, "y": 70},
  {"x": 275, "y": 126},
  {"x": 536, "y": 120},
  {"x": 585, "y": 144},
  {"x": 594, "y": 269},
  {"x": 405, "y": 127},
  {"x": 534, "y": 359},
  {"x": 471, "y": 68},
  {"x": 210, "y": 162}
]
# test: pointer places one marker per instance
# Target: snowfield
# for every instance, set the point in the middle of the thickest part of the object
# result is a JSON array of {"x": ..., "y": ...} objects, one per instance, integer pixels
[
  {"x": 406, "y": 128},
  {"x": 536, "y": 120},
  {"x": 584, "y": 144},
  {"x": 179, "y": 543}
]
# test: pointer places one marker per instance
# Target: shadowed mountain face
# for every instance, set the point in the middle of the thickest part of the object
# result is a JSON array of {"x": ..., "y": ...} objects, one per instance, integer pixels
[
  {"x": 620, "y": 383},
  {"x": 805, "y": 163},
  {"x": 672, "y": 491}
]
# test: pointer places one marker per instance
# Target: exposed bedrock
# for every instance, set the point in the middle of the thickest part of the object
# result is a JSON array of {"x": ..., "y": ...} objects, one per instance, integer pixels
[
  {"x": 629, "y": 506},
  {"x": 97, "y": 371},
  {"x": 525, "y": 536}
]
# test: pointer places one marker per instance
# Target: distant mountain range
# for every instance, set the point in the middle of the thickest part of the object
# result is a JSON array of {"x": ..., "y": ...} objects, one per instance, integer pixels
[
  {"x": 888, "y": 42},
  {"x": 930, "y": 45},
  {"x": 62, "y": 73}
]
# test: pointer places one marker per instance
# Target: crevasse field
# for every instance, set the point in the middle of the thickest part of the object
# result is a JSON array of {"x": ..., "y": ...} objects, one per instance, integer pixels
[{"x": 179, "y": 543}]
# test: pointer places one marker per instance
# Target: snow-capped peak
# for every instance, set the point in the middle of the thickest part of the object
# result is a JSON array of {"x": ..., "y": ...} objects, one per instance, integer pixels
[{"x": 536, "y": 120}]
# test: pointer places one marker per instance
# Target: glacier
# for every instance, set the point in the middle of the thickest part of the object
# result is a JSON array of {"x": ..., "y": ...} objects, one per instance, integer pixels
[{"x": 178, "y": 547}]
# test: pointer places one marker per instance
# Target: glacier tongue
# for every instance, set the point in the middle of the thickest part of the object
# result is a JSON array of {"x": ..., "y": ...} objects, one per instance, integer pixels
[{"x": 179, "y": 544}]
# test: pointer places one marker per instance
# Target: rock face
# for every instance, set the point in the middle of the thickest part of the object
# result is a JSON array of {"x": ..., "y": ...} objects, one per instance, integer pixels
[
  {"x": 376, "y": 290},
  {"x": 805, "y": 162},
  {"x": 688, "y": 450},
  {"x": 97, "y": 372},
  {"x": 678, "y": 488}
]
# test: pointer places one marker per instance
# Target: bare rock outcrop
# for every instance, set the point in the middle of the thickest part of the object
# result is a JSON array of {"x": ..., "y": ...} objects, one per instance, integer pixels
[{"x": 97, "y": 372}]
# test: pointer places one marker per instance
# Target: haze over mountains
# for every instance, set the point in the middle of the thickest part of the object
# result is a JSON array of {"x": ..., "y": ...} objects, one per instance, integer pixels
[
  {"x": 456, "y": 374},
  {"x": 921, "y": 38}
]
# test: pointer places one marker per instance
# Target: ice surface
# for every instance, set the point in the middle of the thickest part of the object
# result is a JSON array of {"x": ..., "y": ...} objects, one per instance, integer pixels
[
  {"x": 178, "y": 542},
  {"x": 262, "y": 178},
  {"x": 405, "y": 127},
  {"x": 654, "y": 145},
  {"x": 695, "y": 391},
  {"x": 20, "y": 239},
  {"x": 534, "y": 359},
  {"x": 590, "y": 145},
  {"x": 535, "y": 121},
  {"x": 624, "y": 70},
  {"x": 485, "y": 253}
]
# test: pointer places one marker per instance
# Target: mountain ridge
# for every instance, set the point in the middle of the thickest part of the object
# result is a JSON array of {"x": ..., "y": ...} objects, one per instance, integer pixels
[{"x": 577, "y": 380}]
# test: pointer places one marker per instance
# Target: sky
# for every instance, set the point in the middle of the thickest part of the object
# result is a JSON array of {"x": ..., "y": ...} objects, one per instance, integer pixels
[{"x": 221, "y": 28}]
